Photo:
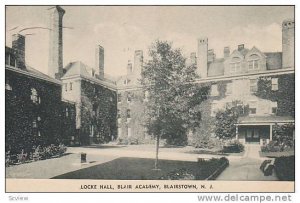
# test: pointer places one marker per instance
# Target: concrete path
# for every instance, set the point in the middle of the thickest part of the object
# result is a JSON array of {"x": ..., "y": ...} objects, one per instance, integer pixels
[{"x": 247, "y": 167}]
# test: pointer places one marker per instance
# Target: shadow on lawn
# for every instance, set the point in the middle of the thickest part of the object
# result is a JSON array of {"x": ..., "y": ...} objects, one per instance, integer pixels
[{"x": 138, "y": 169}]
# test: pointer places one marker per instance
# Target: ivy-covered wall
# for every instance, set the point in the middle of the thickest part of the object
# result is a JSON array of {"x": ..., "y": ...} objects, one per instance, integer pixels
[
  {"x": 136, "y": 123},
  {"x": 98, "y": 113},
  {"x": 28, "y": 123},
  {"x": 284, "y": 96}
]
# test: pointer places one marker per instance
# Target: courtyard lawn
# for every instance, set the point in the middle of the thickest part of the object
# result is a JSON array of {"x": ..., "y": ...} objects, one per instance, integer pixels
[{"x": 142, "y": 169}]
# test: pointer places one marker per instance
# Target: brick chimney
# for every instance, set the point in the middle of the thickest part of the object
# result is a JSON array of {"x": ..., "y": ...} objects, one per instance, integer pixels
[
  {"x": 241, "y": 47},
  {"x": 288, "y": 43},
  {"x": 99, "y": 60},
  {"x": 211, "y": 55},
  {"x": 202, "y": 57},
  {"x": 55, "y": 64},
  {"x": 18, "y": 44},
  {"x": 138, "y": 63},
  {"x": 226, "y": 52},
  {"x": 129, "y": 68}
]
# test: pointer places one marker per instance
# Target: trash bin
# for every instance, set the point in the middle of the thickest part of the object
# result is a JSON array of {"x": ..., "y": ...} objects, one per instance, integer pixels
[{"x": 83, "y": 157}]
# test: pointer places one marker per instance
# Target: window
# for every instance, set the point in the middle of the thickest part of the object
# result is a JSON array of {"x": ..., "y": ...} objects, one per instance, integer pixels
[
  {"x": 274, "y": 84},
  {"x": 253, "y": 85},
  {"x": 34, "y": 124},
  {"x": 119, "y": 97},
  {"x": 214, "y": 90},
  {"x": 229, "y": 88},
  {"x": 8, "y": 86},
  {"x": 235, "y": 67},
  {"x": 252, "y": 107},
  {"x": 12, "y": 60},
  {"x": 119, "y": 114},
  {"x": 274, "y": 108},
  {"x": 34, "y": 96},
  {"x": 129, "y": 132},
  {"x": 66, "y": 87},
  {"x": 71, "y": 86},
  {"x": 67, "y": 112},
  {"x": 129, "y": 97},
  {"x": 253, "y": 62},
  {"x": 128, "y": 114}
]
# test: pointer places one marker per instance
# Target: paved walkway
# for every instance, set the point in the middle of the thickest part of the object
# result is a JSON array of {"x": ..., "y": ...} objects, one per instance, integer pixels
[
  {"x": 241, "y": 167},
  {"x": 247, "y": 167}
]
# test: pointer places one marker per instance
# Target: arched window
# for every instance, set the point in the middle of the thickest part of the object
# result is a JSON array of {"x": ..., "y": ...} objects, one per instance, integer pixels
[
  {"x": 235, "y": 65},
  {"x": 34, "y": 96},
  {"x": 253, "y": 62}
]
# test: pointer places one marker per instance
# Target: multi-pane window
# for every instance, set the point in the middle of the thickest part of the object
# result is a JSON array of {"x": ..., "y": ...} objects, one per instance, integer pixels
[
  {"x": 253, "y": 85},
  {"x": 214, "y": 90},
  {"x": 252, "y": 107},
  {"x": 253, "y": 62},
  {"x": 235, "y": 67},
  {"x": 274, "y": 84},
  {"x": 229, "y": 88},
  {"x": 119, "y": 97},
  {"x": 34, "y": 96}
]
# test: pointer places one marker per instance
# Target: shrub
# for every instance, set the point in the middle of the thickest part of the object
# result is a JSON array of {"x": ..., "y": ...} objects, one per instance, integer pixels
[
  {"x": 35, "y": 154},
  {"x": 276, "y": 146},
  {"x": 233, "y": 147},
  {"x": 285, "y": 168}
]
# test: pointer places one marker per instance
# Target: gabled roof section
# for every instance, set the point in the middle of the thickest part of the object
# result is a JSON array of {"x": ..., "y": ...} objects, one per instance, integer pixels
[
  {"x": 255, "y": 50},
  {"x": 274, "y": 60},
  {"x": 79, "y": 69},
  {"x": 216, "y": 68}
]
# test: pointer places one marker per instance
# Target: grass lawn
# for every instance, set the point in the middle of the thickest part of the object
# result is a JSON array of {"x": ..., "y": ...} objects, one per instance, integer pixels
[{"x": 140, "y": 169}]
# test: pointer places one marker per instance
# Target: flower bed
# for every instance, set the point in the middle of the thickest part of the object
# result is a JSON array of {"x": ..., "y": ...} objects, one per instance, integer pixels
[
  {"x": 37, "y": 153},
  {"x": 207, "y": 170},
  {"x": 285, "y": 168},
  {"x": 233, "y": 147}
]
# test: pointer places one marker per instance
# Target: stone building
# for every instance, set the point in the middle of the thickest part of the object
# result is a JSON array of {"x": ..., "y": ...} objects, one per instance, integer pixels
[
  {"x": 34, "y": 111},
  {"x": 262, "y": 81}
]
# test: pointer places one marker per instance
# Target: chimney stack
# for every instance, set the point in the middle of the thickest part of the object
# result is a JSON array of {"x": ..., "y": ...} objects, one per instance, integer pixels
[
  {"x": 202, "y": 57},
  {"x": 18, "y": 44},
  {"x": 226, "y": 52},
  {"x": 288, "y": 43},
  {"x": 129, "y": 68},
  {"x": 99, "y": 59},
  {"x": 138, "y": 63},
  {"x": 240, "y": 47},
  {"x": 211, "y": 55},
  {"x": 55, "y": 64}
]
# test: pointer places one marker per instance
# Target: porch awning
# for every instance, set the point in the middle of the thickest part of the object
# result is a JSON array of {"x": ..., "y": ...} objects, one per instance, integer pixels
[{"x": 265, "y": 120}]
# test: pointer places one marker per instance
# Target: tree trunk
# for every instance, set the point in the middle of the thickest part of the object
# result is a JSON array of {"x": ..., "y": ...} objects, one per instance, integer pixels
[{"x": 156, "y": 156}]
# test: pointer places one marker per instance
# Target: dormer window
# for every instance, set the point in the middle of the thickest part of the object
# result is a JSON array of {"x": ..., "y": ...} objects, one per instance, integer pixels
[
  {"x": 253, "y": 62},
  {"x": 34, "y": 96},
  {"x": 235, "y": 65}
]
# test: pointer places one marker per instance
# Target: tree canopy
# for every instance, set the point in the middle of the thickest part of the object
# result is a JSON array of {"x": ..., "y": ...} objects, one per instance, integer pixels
[{"x": 173, "y": 99}]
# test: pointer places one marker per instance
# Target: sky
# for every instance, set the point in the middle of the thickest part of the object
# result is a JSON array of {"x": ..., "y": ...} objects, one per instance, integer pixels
[{"x": 123, "y": 29}]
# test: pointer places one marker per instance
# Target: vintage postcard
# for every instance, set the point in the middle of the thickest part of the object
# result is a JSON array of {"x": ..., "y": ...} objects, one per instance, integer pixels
[{"x": 149, "y": 98}]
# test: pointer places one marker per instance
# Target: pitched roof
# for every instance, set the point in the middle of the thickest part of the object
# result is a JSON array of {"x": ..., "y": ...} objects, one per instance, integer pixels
[
  {"x": 274, "y": 60},
  {"x": 216, "y": 68},
  {"x": 78, "y": 68}
]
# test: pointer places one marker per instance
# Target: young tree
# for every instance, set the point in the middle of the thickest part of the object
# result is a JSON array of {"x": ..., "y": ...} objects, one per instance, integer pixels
[
  {"x": 173, "y": 102},
  {"x": 226, "y": 120}
]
